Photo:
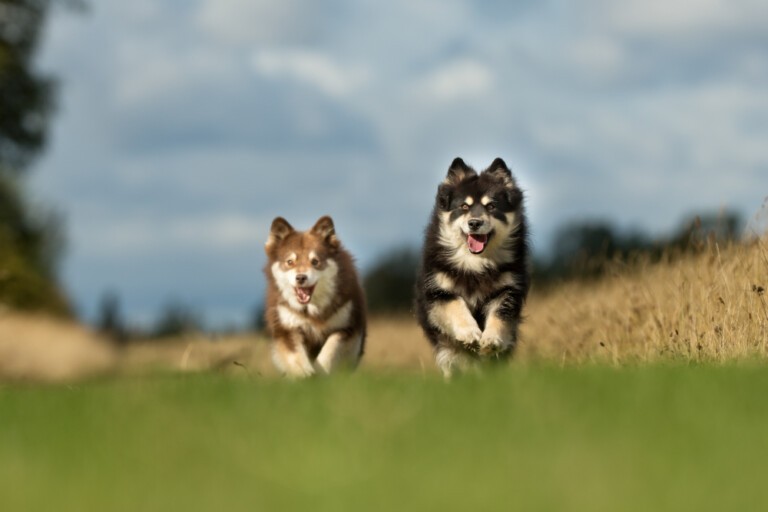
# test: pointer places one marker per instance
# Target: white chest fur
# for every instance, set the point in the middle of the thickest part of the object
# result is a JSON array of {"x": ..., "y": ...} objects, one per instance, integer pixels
[{"x": 313, "y": 326}]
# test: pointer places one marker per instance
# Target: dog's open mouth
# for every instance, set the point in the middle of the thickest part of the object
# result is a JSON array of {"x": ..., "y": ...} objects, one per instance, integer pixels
[
  {"x": 477, "y": 243},
  {"x": 304, "y": 295}
]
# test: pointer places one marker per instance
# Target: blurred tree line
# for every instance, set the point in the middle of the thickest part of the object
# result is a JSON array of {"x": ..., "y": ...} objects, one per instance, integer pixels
[
  {"x": 174, "y": 319},
  {"x": 580, "y": 250},
  {"x": 31, "y": 237},
  {"x": 586, "y": 250}
]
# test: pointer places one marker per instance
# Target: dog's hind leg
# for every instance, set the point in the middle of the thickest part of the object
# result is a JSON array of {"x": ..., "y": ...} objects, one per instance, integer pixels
[
  {"x": 340, "y": 350},
  {"x": 452, "y": 359}
]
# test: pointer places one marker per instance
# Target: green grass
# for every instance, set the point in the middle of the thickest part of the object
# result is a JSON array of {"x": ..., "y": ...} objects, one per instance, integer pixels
[{"x": 652, "y": 438}]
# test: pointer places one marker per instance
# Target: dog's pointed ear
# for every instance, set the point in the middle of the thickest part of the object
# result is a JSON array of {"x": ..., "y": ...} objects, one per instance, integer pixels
[
  {"x": 444, "y": 193},
  {"x": 278, "y": 232},
  {"x": 325, "y": 229},
  {"x": 458, "y": 172},
  {"x": 499, "y": 170},
  {"x": 501, "y": 173}
]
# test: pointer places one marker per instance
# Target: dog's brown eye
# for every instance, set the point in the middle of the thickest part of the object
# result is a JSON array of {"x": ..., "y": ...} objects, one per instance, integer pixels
[
  {"x": 289, "y": 262},
  {"x": 465, "y": 207},
  {"x": 490, "y": 207},
  {"x": 315, "y": 262}
]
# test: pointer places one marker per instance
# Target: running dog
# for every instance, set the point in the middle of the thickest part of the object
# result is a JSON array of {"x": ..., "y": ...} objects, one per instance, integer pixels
[
  {"x": 474, "y": 274},
  {"x": 315, "y": 310}
]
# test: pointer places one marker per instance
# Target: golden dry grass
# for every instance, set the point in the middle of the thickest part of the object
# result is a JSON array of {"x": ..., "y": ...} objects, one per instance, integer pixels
[
  {"x": 245, "y": 354},
  {"x": 711, "y": 307},
  {"x": 705, "y": 308},
  {"x": 393, "y": 342},
  {"x": 47, "y": 349}
]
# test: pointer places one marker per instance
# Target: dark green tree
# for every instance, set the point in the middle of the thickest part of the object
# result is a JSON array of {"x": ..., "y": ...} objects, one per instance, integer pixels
[
  {"x": 29, "y": 247},
  {"x": 31, "y": 240},
  {"x": 257, "y": 322},
  {"x": 698, "y": 229},
  {"x": 110, "y": 318},
  {"x": 176, "y": 319},
  {"x": 26, "y": 96},
  {"x": 585, "y": 249},
  {"x": 389, "y": 282}
]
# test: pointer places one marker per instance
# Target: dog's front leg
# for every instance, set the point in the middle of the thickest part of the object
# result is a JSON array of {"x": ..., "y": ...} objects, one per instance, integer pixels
[
  {"x": 290, "y": 356},
  {"x": 501, "y": 326},
  {"x": 453, "y": 318},
  {"x": 340, "y": 349}
]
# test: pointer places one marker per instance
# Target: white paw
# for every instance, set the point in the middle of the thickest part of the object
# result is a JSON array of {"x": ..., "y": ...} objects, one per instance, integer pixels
[
  {"x": 297, "y": 370},
  {"x": 469, "y": 335},
  {"x": 302, "y": 373},
  {"x": 493, "y": 343}
]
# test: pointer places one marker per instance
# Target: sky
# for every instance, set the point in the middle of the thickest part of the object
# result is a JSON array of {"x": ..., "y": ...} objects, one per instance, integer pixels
[{"x": 185, "y": 126}]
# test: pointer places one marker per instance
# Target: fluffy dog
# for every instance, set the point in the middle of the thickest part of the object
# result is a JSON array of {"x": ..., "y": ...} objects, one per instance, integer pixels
[
  {"x": 315, "y": 306},
  {"x": 474, "y": 275}
]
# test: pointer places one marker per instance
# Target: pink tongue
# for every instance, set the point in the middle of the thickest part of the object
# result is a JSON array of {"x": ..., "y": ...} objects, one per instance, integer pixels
[
  {"x": 304, "y": 294},
  {"x": 476, "y": 242}
]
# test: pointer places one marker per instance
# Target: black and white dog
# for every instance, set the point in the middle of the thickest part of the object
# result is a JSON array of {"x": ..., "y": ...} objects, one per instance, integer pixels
[{"x": 474, "y": 275}]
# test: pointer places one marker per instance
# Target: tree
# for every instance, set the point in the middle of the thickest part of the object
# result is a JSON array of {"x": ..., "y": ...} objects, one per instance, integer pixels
[
  {"x": 696, "y": 230},
  {"x": 31, "y": 240},
  {"x": 389, "y": 283},
  {"x": 585, "y": 249},
  {"x": 110, "y": 318},
  {"x": 26, "y": 96},
  {"x": 176, "y": 319},
  {"x": 29, "y": 247},
  {"x": 257, "y": 322}
]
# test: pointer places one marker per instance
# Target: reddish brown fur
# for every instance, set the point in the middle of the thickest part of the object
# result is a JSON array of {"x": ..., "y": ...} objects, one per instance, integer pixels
[{"x": 321, "y": 240}]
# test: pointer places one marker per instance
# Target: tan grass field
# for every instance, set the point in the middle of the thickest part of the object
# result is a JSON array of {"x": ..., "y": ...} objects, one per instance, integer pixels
[
  {"x": 45, "y": 349},
  {"x": 706, "y": 308},
  {"x": 711, "y": 307}
]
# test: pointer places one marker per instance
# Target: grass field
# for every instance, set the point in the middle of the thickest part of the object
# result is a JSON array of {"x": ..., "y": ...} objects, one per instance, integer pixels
[
  {"x": 530, "y": 438},
  {"x": 645, "y": 390}
]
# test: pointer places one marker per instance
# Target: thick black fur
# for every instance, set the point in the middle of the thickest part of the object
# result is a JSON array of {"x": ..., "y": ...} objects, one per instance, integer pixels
[{"x": 463, "y": 181}]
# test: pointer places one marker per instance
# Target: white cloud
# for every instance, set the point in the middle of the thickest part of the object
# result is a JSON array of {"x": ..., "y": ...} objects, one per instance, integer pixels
[
  {"x": 144, "y": 235},
  {"x": 459, "y": 79},
  {"x": 140, "y": 11},
  {"x": 597, "y": 57},
  {"x": 311, "y": 67},
  {"x": 149, "y": 69},
  {"x": 683, "y": 18},
  {"x": 251, "y": 22}
]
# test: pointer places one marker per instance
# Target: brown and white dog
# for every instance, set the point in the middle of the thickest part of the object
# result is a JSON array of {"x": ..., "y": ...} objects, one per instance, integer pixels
[{"x": 315, "y": 307}]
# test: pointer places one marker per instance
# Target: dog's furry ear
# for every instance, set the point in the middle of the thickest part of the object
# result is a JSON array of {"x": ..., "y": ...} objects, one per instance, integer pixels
[
  {"x": 458, "y": 172},
  {"x": 325, "y": 229},
  {"x": 501, "y": 172},
  {"x": 444, "y": 196},
  {"x": 279, "y": 231}
]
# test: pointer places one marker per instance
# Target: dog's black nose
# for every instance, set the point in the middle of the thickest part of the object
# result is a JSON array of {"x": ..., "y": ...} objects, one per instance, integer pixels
[
  {"x": 301, "y": 279},
  {"x": 475, "y": 224}
]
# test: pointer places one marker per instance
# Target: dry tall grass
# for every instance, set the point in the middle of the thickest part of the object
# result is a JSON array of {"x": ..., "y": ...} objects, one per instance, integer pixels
[
  {"x": 48, "y": 349},
  {"x": 711, "y": 307},
  {"x": 392, "y": 343}
]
